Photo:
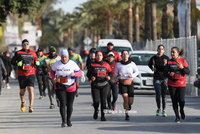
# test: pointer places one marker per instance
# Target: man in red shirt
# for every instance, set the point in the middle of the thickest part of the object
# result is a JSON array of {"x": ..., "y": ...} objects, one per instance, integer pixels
[
  {"x": 110, "y": 46},
  {"x": 26, "y": 59}
]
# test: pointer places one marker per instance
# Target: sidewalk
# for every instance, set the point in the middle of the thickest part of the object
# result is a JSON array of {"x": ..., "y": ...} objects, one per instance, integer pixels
[{"x": 48, "y": 121}]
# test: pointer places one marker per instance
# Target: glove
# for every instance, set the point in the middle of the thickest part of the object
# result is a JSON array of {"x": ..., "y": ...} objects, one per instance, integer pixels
[
  {"x": 37, "y": 63},
  {"x": 19, "y": 63}
]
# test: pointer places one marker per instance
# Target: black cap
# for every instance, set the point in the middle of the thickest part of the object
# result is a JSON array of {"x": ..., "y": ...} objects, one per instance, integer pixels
[
  {"x": 71, "y": 49},
  {"x": 40, "y": 49},
  {"x": 110, "y": 43},
  {"x": 25, "y": 40},
  {"x": 93, "y": 50}
]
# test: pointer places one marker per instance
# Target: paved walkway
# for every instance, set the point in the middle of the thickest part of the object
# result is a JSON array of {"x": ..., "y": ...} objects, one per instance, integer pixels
[{"x": 48, "y": 121}]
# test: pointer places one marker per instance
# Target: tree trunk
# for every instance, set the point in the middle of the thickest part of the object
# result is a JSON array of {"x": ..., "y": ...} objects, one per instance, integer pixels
[
  {"x": 147, "y": 20},
  {"x": 72, "y": 36},
  {"x": 164, "y": 23},
  {"x": 92, "y": 36},
  {"x": 105, "y": 32},
  {"x": 130, "y": 24},
  {"x": 110, "y": 28},
  {"x": 153, "y": 22},
  {"x": 66, "y": 40},
  {"x": 69, "y": 37},
  {"x": 137, "y": 25},
  {"x": 193, "y": 20},
  {"x": 95, "y": 38},
  {"x": 176, "y": 23}
]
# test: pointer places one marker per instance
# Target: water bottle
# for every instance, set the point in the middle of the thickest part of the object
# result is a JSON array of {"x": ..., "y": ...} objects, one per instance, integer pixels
[{"x": 82, "y": 77}]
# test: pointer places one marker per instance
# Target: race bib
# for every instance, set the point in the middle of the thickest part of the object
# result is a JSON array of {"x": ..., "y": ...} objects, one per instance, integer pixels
[
  {"x": 176, "y": 76},
  {"x": 26, "y": 67},
  {"x": 101, "y": 74},
  {"x": 62, "y": 80}
]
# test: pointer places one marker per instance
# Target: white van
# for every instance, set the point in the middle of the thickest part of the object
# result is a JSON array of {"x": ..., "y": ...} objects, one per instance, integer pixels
[{"x": 119, "y": 45}]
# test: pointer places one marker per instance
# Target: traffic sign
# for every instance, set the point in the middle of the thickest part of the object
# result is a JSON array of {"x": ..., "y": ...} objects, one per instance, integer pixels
[{"x": 87, "y": 41}]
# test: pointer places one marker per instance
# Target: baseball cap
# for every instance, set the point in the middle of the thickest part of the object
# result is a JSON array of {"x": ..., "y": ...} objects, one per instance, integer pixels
[
  {"x": 40, "y": 49},
  {"x": 52, "y": 49},
  {"x": 71, "y": 49},
  {"x": 111, "y": 54},
  {"x": 110, "y": 43},
  {"x": 25, "y": 40}
]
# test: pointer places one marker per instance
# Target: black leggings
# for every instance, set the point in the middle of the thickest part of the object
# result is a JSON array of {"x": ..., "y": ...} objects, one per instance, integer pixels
[
  {"x": 6, "y": 77},
  {"x": 100, "y": 93},
  {"x": 66, "y": 99},
  {"x": 114, "y": 88},
  {"x": 41, "y": 78},
  {"x": 177, "y": 95}
]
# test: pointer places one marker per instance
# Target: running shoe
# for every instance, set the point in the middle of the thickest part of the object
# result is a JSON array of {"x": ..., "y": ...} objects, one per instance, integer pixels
[
  {"x": 127, "y": 118},
  {"x": 115, "y": 109},
  {"x": 8, "y": 87},
  {"x": 129, "y": 107},
  {"x": 177, "y": 120},
  {"x": 103, "y": 118},
  {"x": 158, "y": 112},
  {"x": 95, "y": 116},
  {"x": 69, "y": 124},
  {"x": 164, "y": 113},
  {"x": 52, "y": 106},
  {"x": 182, "y": 115},
  {"x": 30, "y": 110},
  {"x": 63, "y": 124},
  {"x": 41, "y": 97},
  {"x": 23, "y": 106}
]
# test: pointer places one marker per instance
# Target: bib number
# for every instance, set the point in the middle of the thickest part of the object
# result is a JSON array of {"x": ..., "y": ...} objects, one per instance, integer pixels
[
  {"x": 26, "y": 67},
  {"x": 101, "y": 74},
  {"x": 62, "y": 80}
]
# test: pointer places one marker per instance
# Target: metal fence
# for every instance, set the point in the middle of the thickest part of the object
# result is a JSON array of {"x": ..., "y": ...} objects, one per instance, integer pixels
[{"x": 189, "y": 44}]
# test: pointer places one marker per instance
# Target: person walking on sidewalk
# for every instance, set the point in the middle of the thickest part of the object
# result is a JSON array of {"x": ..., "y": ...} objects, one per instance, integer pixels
[
  {"x": 7, "y": 63},
  {"x": 157, "y": 64},
  {"x": 99, "y": 74},
  {"x": 26, "y": 59},
  {"x": 47, "y": 65},
  {"x": 41, "y": 77},
  {"x": 2, "y": 72},
  {"x": 176, "y": 71},
  {"x": 66, "y": 71},
  {"x": 78, "y": 60},
  {"x": 112, "y": 83},
  {"x": 125, "y": 70}
]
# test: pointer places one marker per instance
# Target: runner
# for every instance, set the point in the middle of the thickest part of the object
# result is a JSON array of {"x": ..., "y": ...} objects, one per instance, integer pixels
[
  {"x": 41, "y": 77},
  {"x": 52, "y": 58},
  {"x": 7, "y": 63},
  {"x": 110, "y": 46},
  {"x": 157, "y": 64},
  {"x": 66, "y": 71},
  {"x": 2, "y": 71},
  {"x": 124, "y": 70},
  {"x": 26, "y": 59},
  {"x": 99, "y": 74},
  {"x": 78, "y": 60},
  {"x": 176, "y": 70},
  {"x": 112, "y": 83}
]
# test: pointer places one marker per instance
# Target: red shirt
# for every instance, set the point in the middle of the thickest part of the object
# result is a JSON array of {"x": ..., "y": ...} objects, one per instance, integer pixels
[
  {"x": 179, "y": 78},
  {"x": 28, "y": 59},
  {"x": 117, "y": 56}
]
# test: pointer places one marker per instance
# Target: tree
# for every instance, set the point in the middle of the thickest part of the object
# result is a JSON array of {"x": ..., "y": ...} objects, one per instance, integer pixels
[{"x": 147, "y": 20}]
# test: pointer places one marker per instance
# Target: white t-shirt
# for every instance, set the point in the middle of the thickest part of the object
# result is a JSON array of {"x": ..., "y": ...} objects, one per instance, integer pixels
[
  {"x": 126, "y": 70},
  {"x": 63, "y": 71}
]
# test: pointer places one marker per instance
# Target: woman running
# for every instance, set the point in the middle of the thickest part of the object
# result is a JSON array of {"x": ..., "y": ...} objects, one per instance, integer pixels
[
  {"x": 126, "y": 70},
  {"x": 157, "y": 64},
  {"x": 176, "y": 70},
  {"x": 66, "y": 70},
  {"x": 99, "y": 74}
]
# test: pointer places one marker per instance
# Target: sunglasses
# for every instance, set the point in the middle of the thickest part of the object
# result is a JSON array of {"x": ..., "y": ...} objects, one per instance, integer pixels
[{"x": 25, "y": 44}]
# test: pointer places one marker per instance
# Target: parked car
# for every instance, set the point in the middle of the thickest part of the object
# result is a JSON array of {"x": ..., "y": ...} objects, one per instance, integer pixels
[
  {"x": 119, "y": 45},
  {"x": 145, "y": 78}
]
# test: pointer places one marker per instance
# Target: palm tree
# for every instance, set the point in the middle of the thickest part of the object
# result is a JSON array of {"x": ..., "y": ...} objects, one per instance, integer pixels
[
  {"x": 153, "y": 22},
  {"x": 147, "y": 20},
  {"x": 164, "y": 23},
  {"x": 193, "y": 18},
  {"x": 130, "y": 23}
]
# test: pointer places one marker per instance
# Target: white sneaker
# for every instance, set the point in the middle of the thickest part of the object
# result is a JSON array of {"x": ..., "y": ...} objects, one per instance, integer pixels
[{"x": 8, "y": 87}]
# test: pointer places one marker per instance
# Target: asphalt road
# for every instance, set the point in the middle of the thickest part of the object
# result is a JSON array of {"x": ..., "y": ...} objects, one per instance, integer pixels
[{"x": 48, "y": 121}]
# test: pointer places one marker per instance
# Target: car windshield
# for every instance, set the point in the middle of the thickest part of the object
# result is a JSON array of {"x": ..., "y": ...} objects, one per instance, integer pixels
[
  {"x": 115, "y": 48},
  {"x": 141, "y": 59}
]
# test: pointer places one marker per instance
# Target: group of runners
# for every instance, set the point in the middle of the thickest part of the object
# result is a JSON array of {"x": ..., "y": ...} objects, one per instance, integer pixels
[{"x": 108, "y": 74}]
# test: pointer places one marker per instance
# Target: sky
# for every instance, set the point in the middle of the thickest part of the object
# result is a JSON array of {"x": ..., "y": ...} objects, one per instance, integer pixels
[{"x": 69, "y": 5}]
